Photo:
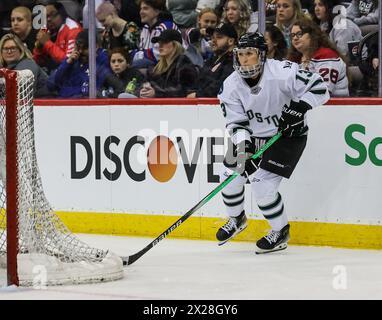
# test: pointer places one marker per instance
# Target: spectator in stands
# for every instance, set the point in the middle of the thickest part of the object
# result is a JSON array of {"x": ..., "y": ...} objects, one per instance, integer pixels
[
  {"x": 198, "y": 40},
  {"x": 15, "y": 56},
  {"x": 287, "y": 12},
  {"x": 155, "y": 19},
  {"x": 374, "y": 66},
  {"x": 240, "y": 14},
  {"x": 57, "y": 43},
  {"x": 365, "y": 14},
  {"x": 128, "y": 10},
  {"x": 71, "y": 79},
  {"x": 220, "y": 66},
  {"x": 174, "y": 75},
  {"x": 322, "y": 14},
  {"x": 118, "y": 33},
  {"x": 271, "y": 9},
  {"x": 277, "y": 46},
  {"x": 313, "y": 50},
  {"x": 184, "y": 12},
  {"x": 340, "y": 30},
  {"x": 21, "y": 25},
  {"x": 369, "y": 65},
  {"x": 130, "y": 78},
  {"x": 207, "y": 18},
  {"x": 85, "y": 14}
]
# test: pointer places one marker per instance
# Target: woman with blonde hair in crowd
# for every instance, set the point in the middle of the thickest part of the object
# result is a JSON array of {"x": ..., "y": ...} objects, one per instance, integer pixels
[
  {"x": 198, "y": 40},
  {"x": 174, "y": 75},
  {"x": 239, "y": 13},
  {"x": 14, "y": 55},
  {"x": 287, "y": 12},
  {"x": 315, "y": 53}
]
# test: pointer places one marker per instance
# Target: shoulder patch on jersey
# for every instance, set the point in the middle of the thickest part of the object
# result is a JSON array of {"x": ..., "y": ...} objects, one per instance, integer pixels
[
  {"x": 325, "y": 53},
  {"x": 71, "y": 24}
]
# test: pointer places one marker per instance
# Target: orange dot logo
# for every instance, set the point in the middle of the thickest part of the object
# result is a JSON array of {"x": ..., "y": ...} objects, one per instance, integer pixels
[{"x": 162, "y": 159}]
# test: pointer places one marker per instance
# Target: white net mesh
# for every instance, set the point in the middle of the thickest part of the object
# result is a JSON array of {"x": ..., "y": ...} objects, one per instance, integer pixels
[{"x": 44, "y": 240}]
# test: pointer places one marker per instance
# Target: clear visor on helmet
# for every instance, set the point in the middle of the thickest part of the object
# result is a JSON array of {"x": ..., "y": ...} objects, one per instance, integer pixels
[{"x": 248, "y": 62}]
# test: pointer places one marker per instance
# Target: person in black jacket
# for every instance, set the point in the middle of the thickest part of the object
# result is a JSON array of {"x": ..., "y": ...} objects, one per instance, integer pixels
[
  {"x": 369, "y": 65},
  {"x": 130, "y": 79},
  {"x": 220, "y": 66},
  {"x": 174, "y": 75}
]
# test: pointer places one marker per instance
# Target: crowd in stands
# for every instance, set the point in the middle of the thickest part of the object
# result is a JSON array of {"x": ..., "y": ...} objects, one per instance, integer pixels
[{"x": 184, "y": 48}]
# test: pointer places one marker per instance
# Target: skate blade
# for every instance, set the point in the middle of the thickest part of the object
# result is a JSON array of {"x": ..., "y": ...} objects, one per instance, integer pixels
[
  {"x": 280, "y": 247},
  {"x": 236, "y": 233}
]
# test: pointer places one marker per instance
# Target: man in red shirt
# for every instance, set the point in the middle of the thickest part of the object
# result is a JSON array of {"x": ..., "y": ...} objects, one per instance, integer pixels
[{"x": 57, "y": 42}]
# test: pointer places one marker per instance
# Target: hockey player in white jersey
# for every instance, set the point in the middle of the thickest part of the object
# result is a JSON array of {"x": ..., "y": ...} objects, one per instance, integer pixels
[{"x": 260, "y": 98}]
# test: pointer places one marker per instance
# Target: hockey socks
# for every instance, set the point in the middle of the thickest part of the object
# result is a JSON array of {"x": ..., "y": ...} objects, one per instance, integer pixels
[{"x": 278, "y": 237}]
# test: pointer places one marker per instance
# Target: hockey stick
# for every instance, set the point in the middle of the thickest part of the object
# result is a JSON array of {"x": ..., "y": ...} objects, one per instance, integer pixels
[{"x": 131, "y": 259}]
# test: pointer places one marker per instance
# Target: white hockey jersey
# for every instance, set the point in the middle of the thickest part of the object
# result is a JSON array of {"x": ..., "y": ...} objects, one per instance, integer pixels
[
  {"x": 256, "y": 111},
  {"x": 332, "y": 69}
]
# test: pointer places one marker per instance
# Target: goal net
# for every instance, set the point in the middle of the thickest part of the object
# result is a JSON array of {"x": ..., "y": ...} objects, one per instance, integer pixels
[{"x": 32, "y": 236}]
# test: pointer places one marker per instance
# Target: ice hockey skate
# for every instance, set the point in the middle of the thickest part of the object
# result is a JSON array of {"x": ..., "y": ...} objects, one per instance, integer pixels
[
  {"x": 231, "y": 228},
  {"x": 274, "y": 241}
]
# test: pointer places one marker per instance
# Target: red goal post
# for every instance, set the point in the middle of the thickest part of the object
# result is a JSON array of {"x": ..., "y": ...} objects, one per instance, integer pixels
[
  {"x": 31, "y": 234},
  {"x": 11, "y": 166}
]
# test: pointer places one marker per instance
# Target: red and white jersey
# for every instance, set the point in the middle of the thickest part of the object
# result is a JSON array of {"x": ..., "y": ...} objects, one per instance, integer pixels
[
  {"x": 329, "y": 65},
  {"x": 64, "y": 44}
]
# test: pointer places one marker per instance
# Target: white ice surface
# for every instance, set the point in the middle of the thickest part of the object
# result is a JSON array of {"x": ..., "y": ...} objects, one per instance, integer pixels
[{"x": 192, "y": 269}]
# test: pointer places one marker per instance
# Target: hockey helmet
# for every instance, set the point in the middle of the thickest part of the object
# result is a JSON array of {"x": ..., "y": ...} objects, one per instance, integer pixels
[{"x": 250, "y": 41}]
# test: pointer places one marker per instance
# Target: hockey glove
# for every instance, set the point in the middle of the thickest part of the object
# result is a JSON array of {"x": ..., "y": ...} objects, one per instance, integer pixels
[
  {"x": 291, "y": 123},
  {"x": 245, "y": 164}
]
